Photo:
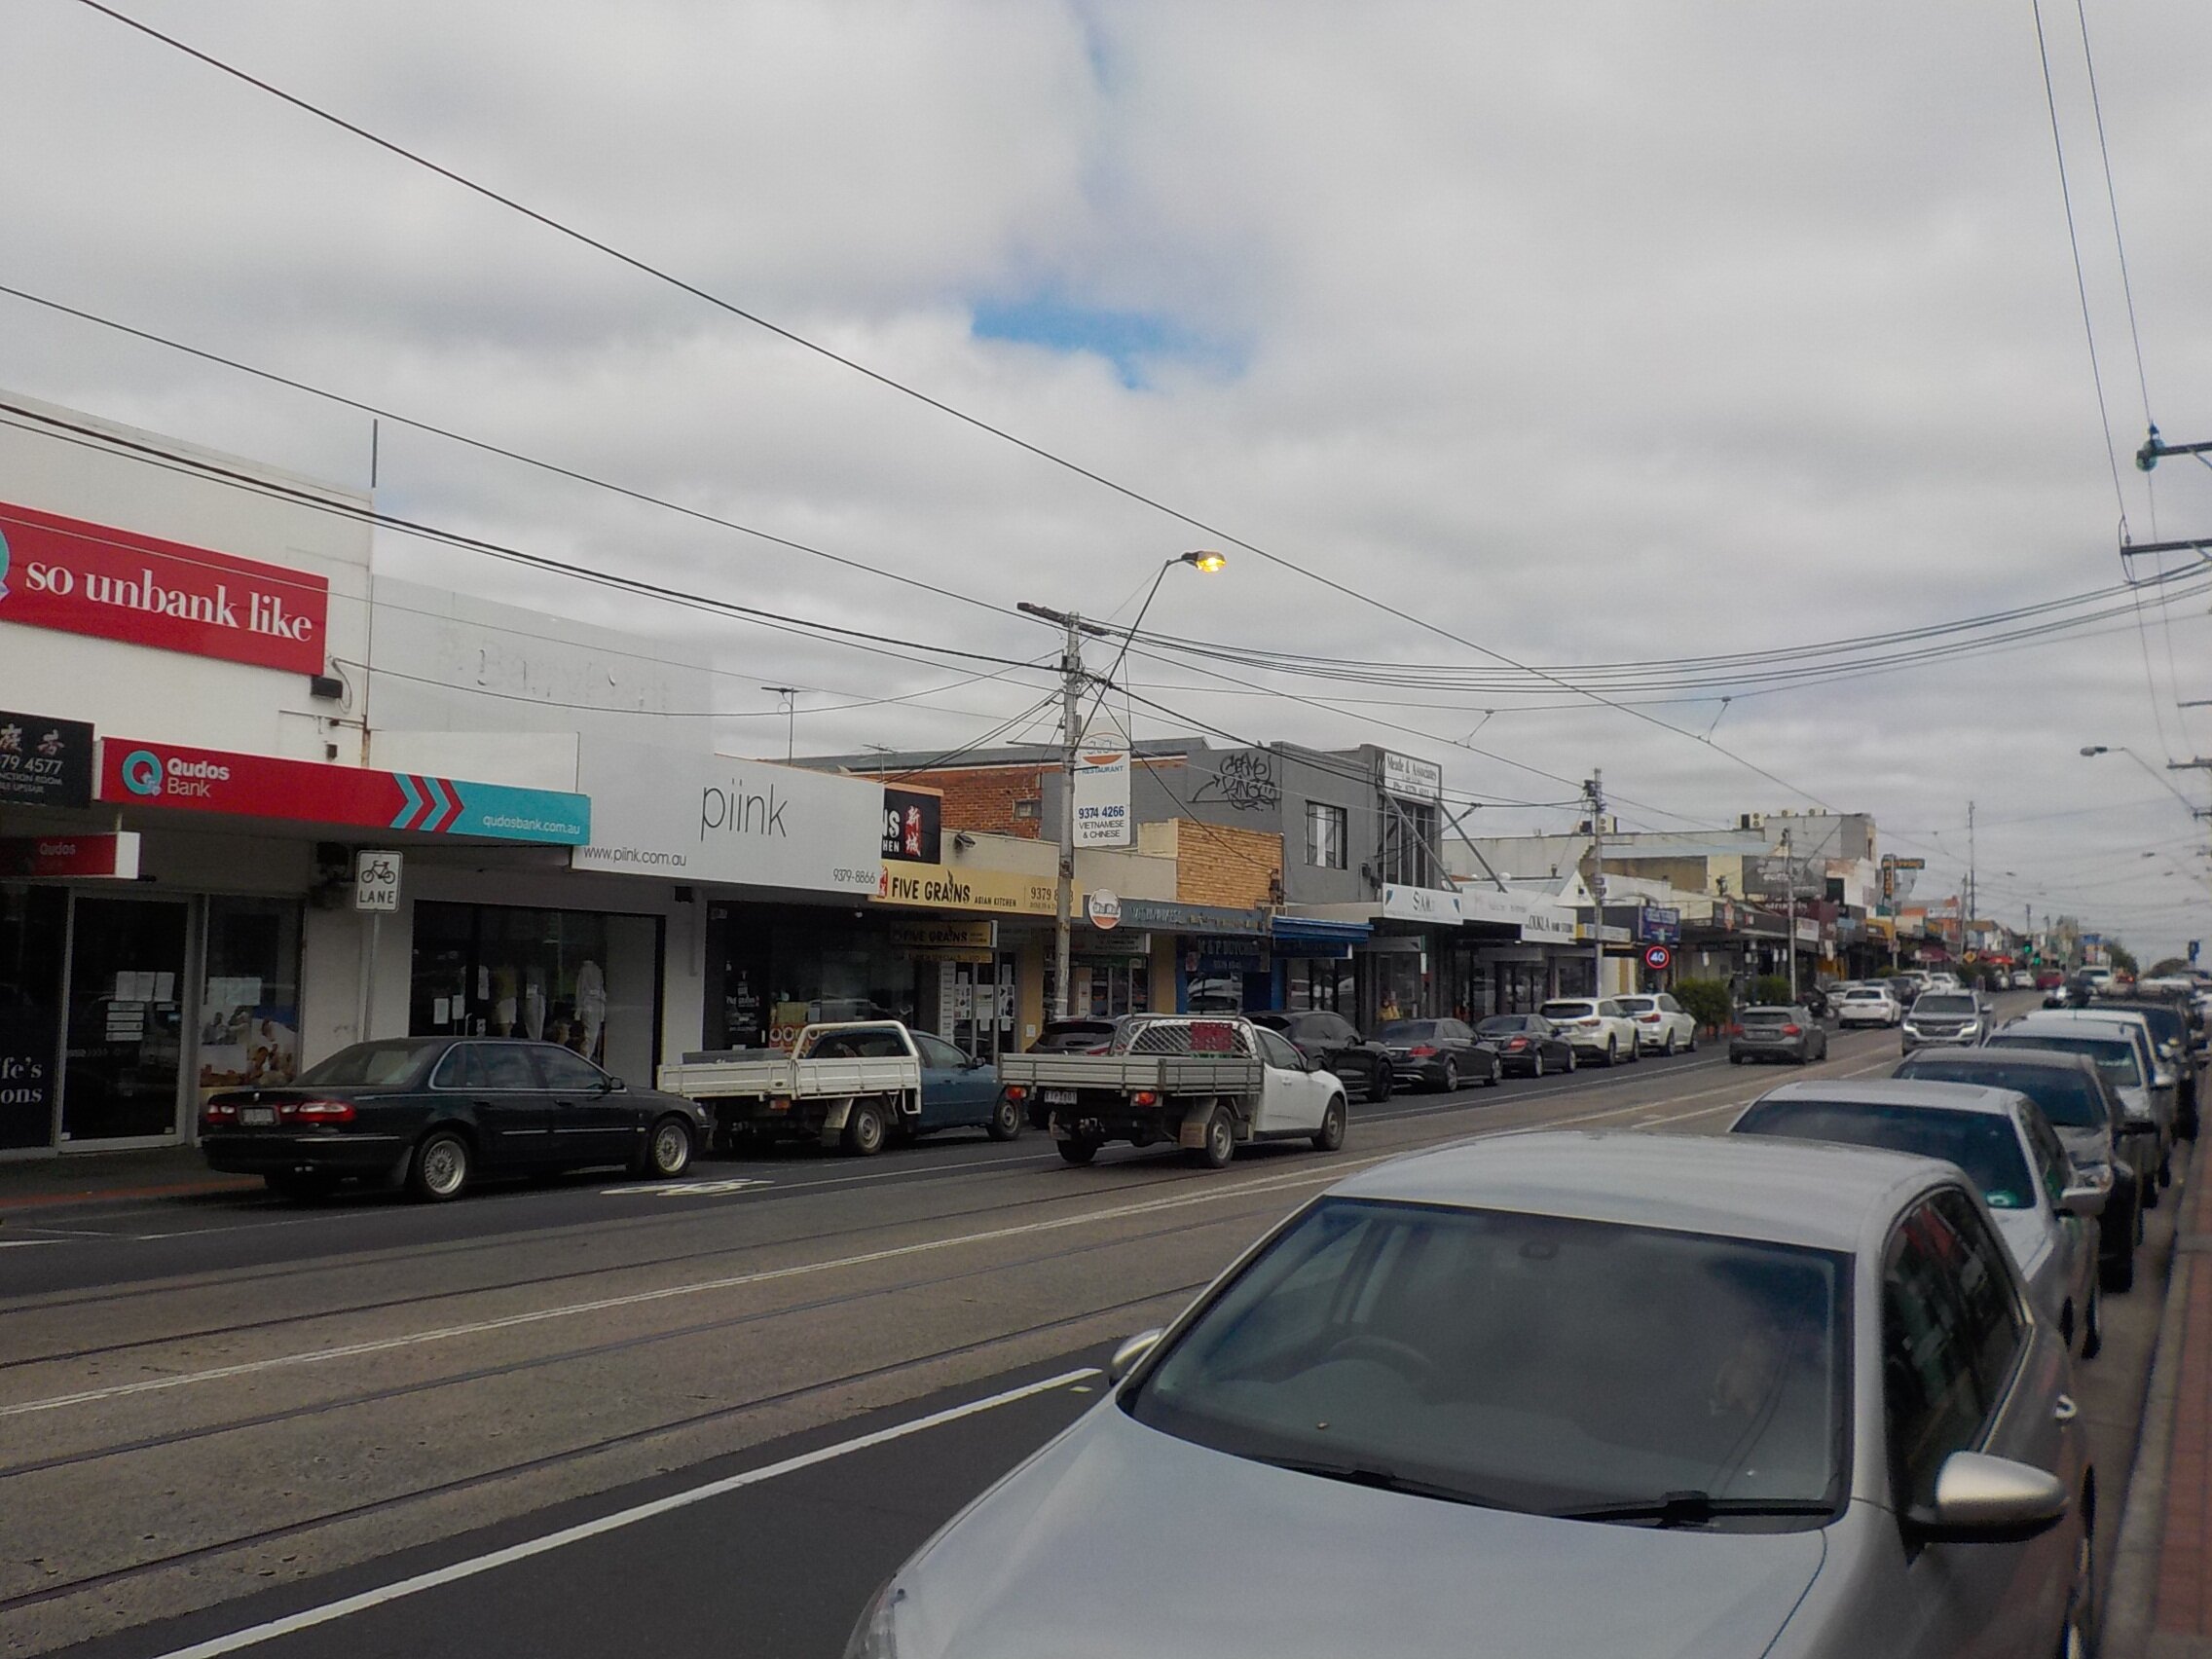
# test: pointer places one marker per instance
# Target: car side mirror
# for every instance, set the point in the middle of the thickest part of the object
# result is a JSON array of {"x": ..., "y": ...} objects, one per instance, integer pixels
[
  {"x": 1126, "y": 1357},
  {"x": 2089, "y": 1202},
  {"x": 1980, "y": 1499}
]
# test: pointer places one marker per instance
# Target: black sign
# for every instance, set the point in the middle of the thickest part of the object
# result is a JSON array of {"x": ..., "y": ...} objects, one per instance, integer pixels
[
  {"x": 914, "y": 826},
  {"x": 45, "y": 762}
]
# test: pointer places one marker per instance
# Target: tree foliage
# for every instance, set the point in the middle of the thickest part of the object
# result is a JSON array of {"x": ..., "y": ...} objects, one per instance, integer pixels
[
  {"x": 1705, "y": 1001},
  {"x": 1770, "y": 990}
]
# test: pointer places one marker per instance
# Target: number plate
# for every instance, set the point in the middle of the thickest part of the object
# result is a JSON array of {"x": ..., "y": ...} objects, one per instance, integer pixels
[
  {"x": 1060, "y": 1097},
  {"x": 257, "y": 1117}
]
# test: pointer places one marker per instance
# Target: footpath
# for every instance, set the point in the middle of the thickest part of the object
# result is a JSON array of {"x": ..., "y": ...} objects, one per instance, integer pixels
[
  {"x": 2159, "y": 1603},
  {"x": 110, "y": 1177}
]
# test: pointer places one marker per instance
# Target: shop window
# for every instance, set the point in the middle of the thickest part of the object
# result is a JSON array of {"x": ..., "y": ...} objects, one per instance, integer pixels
[
  {"x": 249, "y": 1002},
  {"x": 34, "y": 921},
  {"x": 1326, "y": 834},
  {"x": 586, "y": 981}
]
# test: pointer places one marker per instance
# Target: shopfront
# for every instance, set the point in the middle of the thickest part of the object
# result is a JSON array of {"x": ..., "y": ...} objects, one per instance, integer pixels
[
  {"x": 586, "y": 979},
  {"x": 1317, "y": 967},
  {"x": 119, "y": 1009},
  {"x": 774, "y": 968}
]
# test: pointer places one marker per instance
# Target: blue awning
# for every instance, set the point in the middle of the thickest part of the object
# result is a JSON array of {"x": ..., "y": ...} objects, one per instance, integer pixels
[{"x": 1314, "y": 930}]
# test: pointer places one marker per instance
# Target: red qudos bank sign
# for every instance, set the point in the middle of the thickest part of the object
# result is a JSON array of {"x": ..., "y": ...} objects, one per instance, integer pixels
[{"x": 86, "y": 578}]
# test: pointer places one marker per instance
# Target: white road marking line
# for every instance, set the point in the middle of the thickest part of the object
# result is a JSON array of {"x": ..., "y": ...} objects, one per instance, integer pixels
[
  {"x": 25, "y": 1243},
  {"x": 686, "y": 1189},
  {"x": 731, "y": 1281},
  {"x": 253, "y": 1635}
]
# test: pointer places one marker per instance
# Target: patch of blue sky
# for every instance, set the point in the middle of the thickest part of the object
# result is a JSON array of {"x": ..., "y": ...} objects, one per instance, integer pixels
[{"x": 1131, "y": 341}]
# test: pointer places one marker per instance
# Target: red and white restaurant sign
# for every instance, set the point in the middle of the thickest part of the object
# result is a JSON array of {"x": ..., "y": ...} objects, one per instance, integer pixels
[
  {"x": 86, "y": 578},
  {"x": 54, "y": 856}
]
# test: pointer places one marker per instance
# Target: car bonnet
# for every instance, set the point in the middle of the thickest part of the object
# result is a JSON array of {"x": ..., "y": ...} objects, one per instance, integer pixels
[{"x": 1120, "y": 1541}]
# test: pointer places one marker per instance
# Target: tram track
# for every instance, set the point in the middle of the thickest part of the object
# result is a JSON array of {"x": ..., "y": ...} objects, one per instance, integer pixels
[{"x": 111, "y": 1579}]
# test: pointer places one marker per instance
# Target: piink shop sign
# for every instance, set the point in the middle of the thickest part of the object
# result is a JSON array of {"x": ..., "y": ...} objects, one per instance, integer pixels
[{"x": 45, "y": 761}]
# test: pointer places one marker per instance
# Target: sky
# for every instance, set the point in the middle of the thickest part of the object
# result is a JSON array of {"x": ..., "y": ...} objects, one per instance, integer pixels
[{"x": 1475, "y": 336}]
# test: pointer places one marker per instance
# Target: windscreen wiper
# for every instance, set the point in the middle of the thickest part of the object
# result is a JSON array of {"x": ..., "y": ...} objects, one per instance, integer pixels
[
  {"x": 1694, "y": 1510},
  {"x": 1381, "y": 1480}
]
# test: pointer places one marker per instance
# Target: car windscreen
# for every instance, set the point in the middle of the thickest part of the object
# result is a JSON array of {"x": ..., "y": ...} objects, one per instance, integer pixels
[
  {"x": 2114, "y": 1057},
  {"x": 1865, "y": 996},
  {"x": 1569, "y": 1010},
  {"x": 1637, "y": 1004},
  {"x": 2070, "y": 1100},
  {"x": 1944, "y": 1003},
  {"x": 1524, "y": 1362},
  {"x": 1768, "y": 1016},
  {"x": 1505, "y": 1025},
  {"x": 370, "y": 1065},
  {"x": 1984, "y": 1144},
  {"x": 1408, "y": 1031}
]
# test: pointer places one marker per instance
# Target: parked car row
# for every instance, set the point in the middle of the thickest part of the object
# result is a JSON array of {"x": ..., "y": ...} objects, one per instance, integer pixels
[{"x": 1804, "y": 1391}]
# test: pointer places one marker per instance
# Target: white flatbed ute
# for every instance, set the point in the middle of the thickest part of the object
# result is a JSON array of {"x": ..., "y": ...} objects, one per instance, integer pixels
[
  {"x": 850, "y": 1084},
  {"x": 1206, "y": 1083}
]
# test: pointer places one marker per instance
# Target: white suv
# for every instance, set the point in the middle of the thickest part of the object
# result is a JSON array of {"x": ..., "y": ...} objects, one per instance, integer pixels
[
  {"x": 1868, "y": 1005},
  {"x": 1661, "y": 1025},
  {"x": 1595, "y": 1029}
]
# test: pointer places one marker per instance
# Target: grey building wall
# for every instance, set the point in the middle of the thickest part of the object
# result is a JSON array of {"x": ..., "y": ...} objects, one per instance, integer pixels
[{"x": 1269, "y": 790}]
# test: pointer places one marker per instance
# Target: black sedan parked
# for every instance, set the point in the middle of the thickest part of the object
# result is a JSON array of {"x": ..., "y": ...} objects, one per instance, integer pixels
[
  {"x": 434, "y": 1112},
  {"x": 1778, "y": 1034},
  {"x": 1331, "y": 1043},
  {"x": 1438, "y": 1053},
  {"x": 1528, "y": 1044}
]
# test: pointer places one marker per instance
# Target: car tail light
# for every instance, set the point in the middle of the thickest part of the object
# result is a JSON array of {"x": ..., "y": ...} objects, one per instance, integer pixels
[
  {"x": 1421, "y": 1051},
  {"x": 1015, "y": 1092},
  {"x": 1144, "y": 1097},
  {"x": 1734, "y": 1029},
  {"x": 1100, "y": 1050},
  {"x": 319, "y": 1111},
  {"x": 1589, "y": 1024},
  {"x": 1647, "y": 1018},
  {"x": 1793, "y": 1031},
  {"x": 1518, "y": 1043},
  {"x": 219, "y": 1112}
]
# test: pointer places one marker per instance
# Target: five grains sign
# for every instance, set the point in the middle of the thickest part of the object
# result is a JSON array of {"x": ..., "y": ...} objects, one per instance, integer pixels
[{"x": 85, "y": 578}]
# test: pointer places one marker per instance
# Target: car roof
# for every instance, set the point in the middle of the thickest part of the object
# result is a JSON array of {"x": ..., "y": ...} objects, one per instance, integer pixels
[
  {"x": 2084, "y": 1022},
  {"x": 2034, "y": 1060},
  {"x": 1809, "y": 1194},
  {"x": 1900, "y": 1091}
]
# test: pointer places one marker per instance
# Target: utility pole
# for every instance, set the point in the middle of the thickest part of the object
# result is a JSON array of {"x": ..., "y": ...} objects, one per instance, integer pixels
[
  {"x": 1596, "y": 788},
  {"x": 1790, "y": 877},
  {"x": 1966, "y": 929},
  {"x": 1071, "y": 738}
]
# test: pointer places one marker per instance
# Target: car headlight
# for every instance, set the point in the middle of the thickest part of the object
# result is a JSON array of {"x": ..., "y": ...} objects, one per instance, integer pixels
[
  {"x": 877, "y": 1635},
  {"x": 1911, "y": 1029}
]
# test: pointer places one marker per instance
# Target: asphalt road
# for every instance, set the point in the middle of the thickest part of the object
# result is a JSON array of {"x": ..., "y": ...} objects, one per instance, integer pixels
[{"x": 381, "y": 1430}]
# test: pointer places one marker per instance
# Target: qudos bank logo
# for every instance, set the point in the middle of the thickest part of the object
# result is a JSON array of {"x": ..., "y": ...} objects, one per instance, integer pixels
[{"x": 143, "y": 772}]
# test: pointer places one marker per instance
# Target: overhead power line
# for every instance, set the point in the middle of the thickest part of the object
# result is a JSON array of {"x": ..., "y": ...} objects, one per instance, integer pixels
[
  {"x": 830, "y": 633},
  {"x": 1050, "y": 457},
  {"x": 487, "y": 447}
]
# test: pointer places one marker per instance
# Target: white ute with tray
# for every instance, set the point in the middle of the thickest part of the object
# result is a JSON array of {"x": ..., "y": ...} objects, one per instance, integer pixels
[
  {"x": 1203, "y": 1082},
  {"x": 850, "y": 1084}
]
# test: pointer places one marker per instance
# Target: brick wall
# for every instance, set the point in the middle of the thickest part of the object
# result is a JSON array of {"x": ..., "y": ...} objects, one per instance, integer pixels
[
  {"x": 1240, "y": 869},
  {"x": 982, "y": 798}
]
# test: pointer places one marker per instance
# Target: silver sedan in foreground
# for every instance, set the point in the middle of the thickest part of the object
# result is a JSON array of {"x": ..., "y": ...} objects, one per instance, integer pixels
[{"x": 1583, "y": 1397}]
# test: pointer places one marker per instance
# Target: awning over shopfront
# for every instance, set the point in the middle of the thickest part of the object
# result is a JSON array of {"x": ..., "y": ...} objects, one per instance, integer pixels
[
  {"x": 1318, "y": 929},
  {"x": 1166, "y": 915},
  {"x": 132, "y": 772}
]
